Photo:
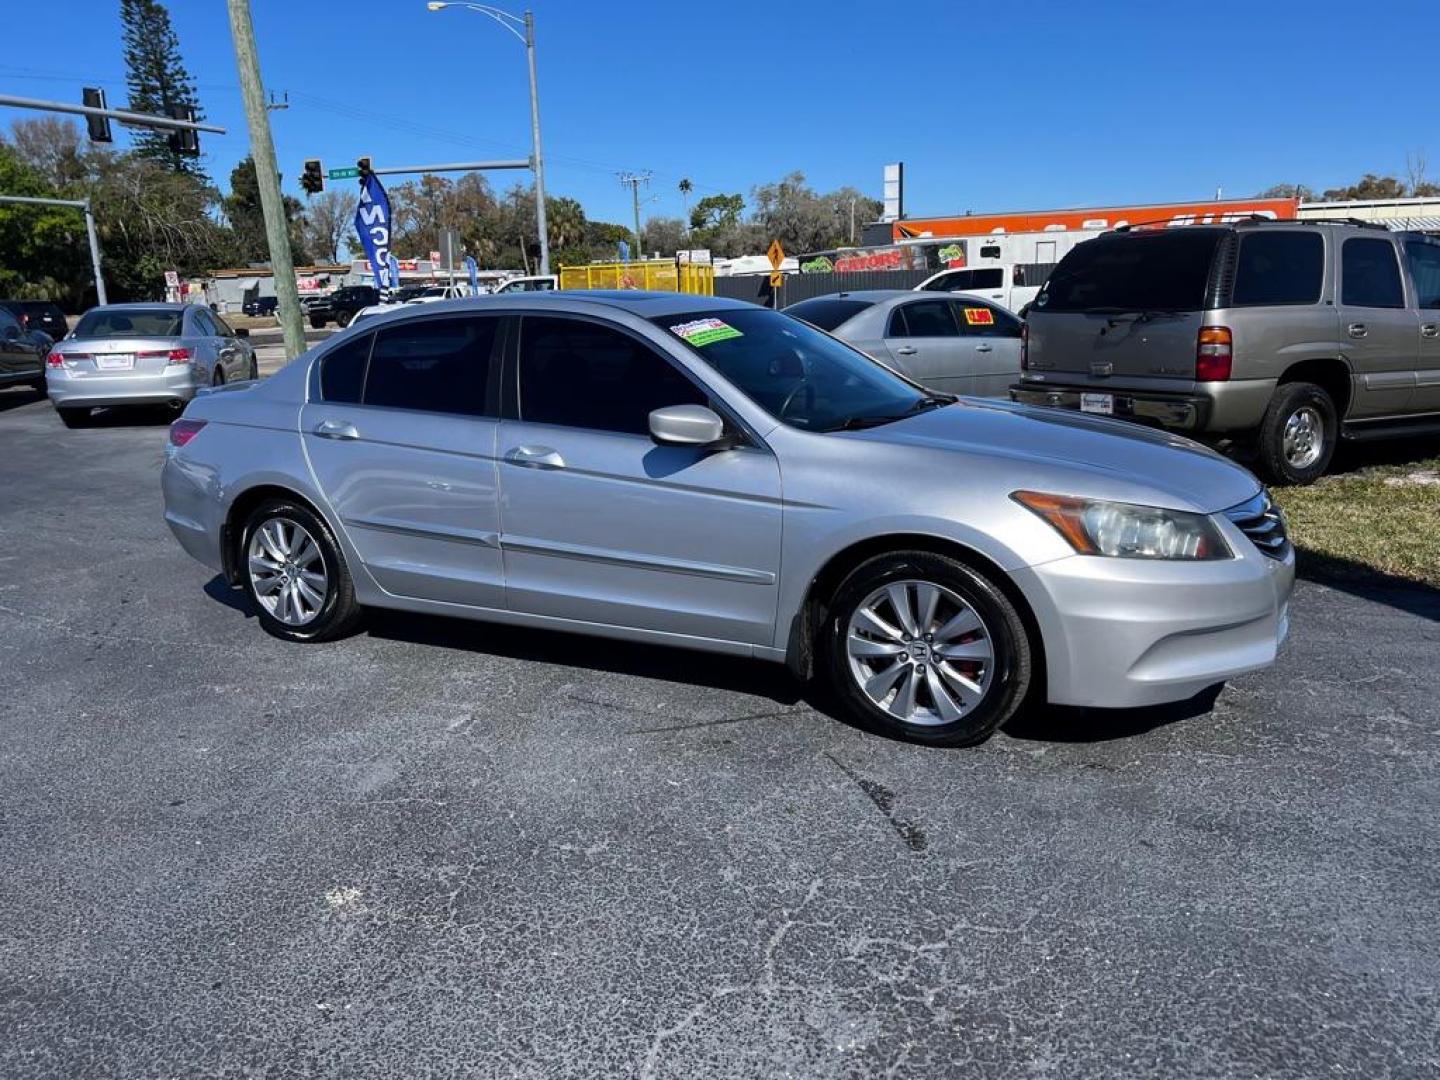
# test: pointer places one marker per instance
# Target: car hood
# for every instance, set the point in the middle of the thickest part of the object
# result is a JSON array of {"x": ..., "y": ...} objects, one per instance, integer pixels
[{"x": 1186, "y": 474}]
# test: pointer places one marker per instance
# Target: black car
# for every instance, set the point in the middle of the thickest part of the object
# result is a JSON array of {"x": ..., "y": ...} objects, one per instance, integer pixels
[
  {"x": 261, "y": 305},
  {"x": 38, "y": 315},
  {"x": 22, "y": 352},
  {"x": 341, "y": 305}
]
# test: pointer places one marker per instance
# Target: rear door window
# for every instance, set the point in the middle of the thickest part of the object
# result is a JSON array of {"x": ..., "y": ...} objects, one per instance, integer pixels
[
  {"x": 1424, "y": 260},
  {"x": 1369, "y": 274},
  {"x": 923, "y": 318},
  {"x": 1278, "y": 267},
  {"x": 826, "y": 313},
  {"x": 433, "y": 365},
  {"x": 1164, "y": 270},
  {"x": 342, "y": 371}
]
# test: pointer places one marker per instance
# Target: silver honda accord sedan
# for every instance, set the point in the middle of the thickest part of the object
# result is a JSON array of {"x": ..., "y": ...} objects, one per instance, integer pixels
[
  {"x": 143, "y": 354},
  {"x": 690, "y": 471}
]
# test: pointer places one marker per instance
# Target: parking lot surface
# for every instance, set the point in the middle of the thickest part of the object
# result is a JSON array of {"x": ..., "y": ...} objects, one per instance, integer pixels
[{"x": 441, "y": 848}]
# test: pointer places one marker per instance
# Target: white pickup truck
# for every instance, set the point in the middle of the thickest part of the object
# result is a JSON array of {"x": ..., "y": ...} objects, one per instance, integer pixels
[{"x": 987, "y": 282}]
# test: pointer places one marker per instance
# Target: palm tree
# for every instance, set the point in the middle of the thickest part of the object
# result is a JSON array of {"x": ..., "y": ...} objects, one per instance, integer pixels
[{"x": 685, "y": 188}]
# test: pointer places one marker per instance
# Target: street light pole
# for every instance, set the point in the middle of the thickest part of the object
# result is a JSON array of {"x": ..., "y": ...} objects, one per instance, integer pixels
[{"x": 537, "y": 162}]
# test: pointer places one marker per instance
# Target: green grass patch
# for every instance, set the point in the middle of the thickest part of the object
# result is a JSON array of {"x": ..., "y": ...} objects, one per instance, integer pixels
[{"x": 1373, "y": 519}]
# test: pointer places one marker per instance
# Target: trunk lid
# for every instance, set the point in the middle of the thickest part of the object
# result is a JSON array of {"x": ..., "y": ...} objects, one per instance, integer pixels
[{"x": 118, "y": 355}]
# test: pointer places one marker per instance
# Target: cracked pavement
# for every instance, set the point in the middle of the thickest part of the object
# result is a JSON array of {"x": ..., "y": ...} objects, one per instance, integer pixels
[{"x": 445, "y": 849}]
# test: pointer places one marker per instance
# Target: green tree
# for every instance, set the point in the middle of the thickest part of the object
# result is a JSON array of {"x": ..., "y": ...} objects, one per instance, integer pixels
[
  {"x": 156, "y": 78},
  {"x": 717, "y": 212},
  {"x": 1369, "y": 186},
  {"x": 247, "y": 219},
  {"x": 1287, "y": 191},
  {"x": 45, "y": 253}
]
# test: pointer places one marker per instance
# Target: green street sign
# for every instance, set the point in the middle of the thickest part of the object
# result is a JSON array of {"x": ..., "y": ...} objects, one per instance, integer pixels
[{"x": 343, "y": 174}]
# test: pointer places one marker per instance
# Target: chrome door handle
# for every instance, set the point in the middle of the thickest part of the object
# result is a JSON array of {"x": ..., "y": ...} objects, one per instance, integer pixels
[
  {"x": 1357, "y": 329},
  {"x": 535, "y": 457},
  {"x": 1429, "y": 329},
  {"x": 337, "y": 429},
  {"x": 906, "y": 350},
  {"x": 984, "y": 348}
]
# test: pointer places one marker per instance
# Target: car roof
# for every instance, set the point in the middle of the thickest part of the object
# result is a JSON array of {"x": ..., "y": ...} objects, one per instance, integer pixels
[
  {"x": 157, "y": 306},
  {"x": 645, "y": 305},
  {"x": 868, "y": 296}
]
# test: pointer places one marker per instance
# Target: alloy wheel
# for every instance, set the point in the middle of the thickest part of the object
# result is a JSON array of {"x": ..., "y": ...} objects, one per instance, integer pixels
[
  {"x": 287, "y": 571},
  {"x": 920, "y": 652},
  {"x": 1303, "y": 439}
]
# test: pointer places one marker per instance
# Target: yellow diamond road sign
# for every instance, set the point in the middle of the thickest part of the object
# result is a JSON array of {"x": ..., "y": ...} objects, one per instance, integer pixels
[{"x": 776, "y": 253}]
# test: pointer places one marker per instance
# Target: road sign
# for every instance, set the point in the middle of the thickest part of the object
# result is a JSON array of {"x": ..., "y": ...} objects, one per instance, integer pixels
[
  {"x": 776, "y": 254},
  {"x": 172, "y": 279},
  {"x": 776, "y": 277},
  {"x": 342, "y": 174}
]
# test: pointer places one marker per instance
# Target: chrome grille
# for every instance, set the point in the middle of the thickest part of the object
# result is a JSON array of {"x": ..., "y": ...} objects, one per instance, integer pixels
[{"x": 1264, "y": 523}]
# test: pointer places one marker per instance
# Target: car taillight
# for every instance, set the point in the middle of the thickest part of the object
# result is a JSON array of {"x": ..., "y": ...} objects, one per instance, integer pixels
[
  {"x": 55, "y": 359},
  {"x": 182, "y": 431},
  {"x": 1214, "y": 351},
  {"x": 1024, "y": 346},
  {"x": 173, "y": 356}
]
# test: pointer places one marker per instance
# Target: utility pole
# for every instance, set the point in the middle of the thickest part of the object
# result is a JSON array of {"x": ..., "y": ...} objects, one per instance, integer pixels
[
  {"x": 633, "y": 182},
  {"x": 267, "y": 176},
  {"x": 535, "y": 147}
]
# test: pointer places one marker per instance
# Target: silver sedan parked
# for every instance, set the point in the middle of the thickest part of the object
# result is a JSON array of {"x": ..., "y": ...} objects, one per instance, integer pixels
[
  {"x": 688, "y": 471},
  {"x": 957, "y": 344},
  {"x": 144, "y": 354}
]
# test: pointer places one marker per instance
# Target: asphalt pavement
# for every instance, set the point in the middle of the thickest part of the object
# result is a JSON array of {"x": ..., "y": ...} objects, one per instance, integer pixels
[{"x": 444, "y": 849}]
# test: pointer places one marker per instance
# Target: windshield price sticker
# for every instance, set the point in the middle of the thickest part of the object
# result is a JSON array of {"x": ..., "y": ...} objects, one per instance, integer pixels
[
  {"x": 705, "y": 331},
  {"x": 979, "y": 316}
]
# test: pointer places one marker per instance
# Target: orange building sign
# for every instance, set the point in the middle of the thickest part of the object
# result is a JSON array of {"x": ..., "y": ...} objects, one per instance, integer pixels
[{"x": 1097, "y": 217}]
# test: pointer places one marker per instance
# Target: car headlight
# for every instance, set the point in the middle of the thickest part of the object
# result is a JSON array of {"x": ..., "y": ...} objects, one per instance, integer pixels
[{"x": 1126, "y": 531}]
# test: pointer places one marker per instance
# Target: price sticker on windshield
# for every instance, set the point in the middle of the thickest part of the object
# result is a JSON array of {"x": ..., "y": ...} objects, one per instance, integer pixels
[
  {"x": 705, "y": 331},
  {"x": 979, "y": 316}
]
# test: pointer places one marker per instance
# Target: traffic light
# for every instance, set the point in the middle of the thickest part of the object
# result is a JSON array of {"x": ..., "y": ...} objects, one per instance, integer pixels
[
  {"x": 364, "y": 166},
  {"x": 184, "y": 141},
  {"x": 312, "y": 180},
  {"x": 99, "y": 126}
]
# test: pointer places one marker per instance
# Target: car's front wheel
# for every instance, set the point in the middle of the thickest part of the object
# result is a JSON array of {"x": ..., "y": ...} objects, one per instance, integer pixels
[
  {"x": 342, "y": 318},
  {"x": 317, "y": 323},
  {"x": 1298, "y": 434},
  {"x": 293, "y": 571},
  {"x": 920, "y": 646}
]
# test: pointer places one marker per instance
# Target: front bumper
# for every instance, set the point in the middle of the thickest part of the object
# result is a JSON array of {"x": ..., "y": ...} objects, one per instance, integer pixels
[
  {"x": 1121, "y": 633},
  {"x": 82, "y": 389}
]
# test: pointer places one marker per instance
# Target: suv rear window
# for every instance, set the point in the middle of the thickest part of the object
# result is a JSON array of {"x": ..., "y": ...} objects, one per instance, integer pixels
[
  {"x": 1159, "y": 271},
  {"x": 1369, "y": 274},
  {"x": 1280, "y": 267},
  {"x": 826, "y": 312}
]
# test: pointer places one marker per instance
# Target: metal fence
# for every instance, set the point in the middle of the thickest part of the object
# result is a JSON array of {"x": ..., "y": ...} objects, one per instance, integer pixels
[{"x": 797, "y": 287}]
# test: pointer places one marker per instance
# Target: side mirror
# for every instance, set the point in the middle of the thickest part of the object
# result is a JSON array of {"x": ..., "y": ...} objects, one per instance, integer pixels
[
  {"x": 242, "y": 331},
  {"x": 686, "y": 425}
]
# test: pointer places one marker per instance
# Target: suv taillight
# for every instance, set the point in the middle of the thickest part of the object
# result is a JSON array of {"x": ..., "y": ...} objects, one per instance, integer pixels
[
  {"x": 1024, "y": 346},
  {"x": 1214, "y": 351}
]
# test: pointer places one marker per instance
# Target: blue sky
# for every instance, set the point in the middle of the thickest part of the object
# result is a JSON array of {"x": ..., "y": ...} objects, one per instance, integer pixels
[{"x": 991, "y": 106}]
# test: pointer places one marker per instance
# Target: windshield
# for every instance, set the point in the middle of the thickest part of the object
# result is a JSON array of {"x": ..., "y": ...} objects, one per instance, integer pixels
[
  {"x": 794, "y": 372},
  {"x": 1134, "y": 272},
  {"x": 129, "y": 322}
]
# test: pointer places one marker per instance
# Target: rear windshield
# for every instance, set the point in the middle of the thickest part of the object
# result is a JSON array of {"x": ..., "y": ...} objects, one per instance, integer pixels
[
  {"x": 826, "y": 312},
  {"x": 131, "y": 322},
  {"x": 1160, "y": 271}
]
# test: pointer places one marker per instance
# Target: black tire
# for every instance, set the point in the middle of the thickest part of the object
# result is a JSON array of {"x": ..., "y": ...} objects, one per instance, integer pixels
[
  {"x": 1011, "y": 664},
  {"x": 317, "y": 323},
  {"x": 343, "y": 318},
  {"x": 74, "y": 418},
  {"x": 254, "y": 368},
  {"x": 339, "y": 613},
  {"x": 40, "y": 388},
  {"x": 217, "y": 377},
  {"x": 1294, "y": 400}
]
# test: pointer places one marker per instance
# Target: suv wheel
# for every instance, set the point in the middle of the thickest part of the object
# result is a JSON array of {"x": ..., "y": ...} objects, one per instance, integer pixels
[
  {"x": 317, "y": 322},
  {"x": 921, "y": 647},
  {"x": 342, "y": 318},
  {"x": 1298, "y": 434},
  {"x": 295, "y": 575}
]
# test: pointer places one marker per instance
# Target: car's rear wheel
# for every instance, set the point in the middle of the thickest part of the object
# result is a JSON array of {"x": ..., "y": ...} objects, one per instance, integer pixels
[
  {"x": 293, "y": 571},
  {"x": 922, "y": 647},
  {"x": 73, "y": 417},
  {"x": 1298, "y": 435}
]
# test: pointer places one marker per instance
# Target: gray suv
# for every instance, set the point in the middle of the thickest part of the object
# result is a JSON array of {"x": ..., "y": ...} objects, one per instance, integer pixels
[{"x": 1286, "y": 336}]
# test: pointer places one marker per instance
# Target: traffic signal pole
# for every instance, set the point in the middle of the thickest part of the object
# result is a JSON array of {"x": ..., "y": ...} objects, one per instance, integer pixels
[{"x": 267, "y": 176}]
